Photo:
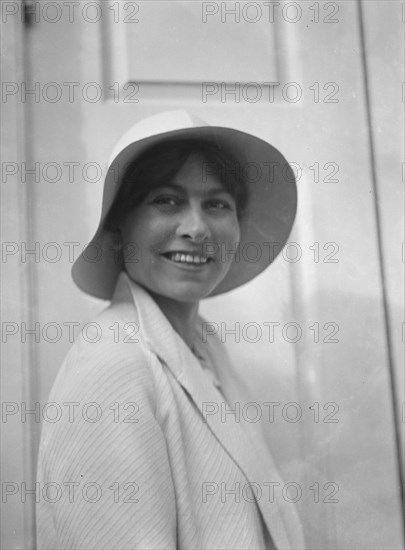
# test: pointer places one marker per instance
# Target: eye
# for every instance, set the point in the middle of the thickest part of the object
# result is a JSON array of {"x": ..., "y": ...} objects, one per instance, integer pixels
[
  {"x": 166, "y": 200},
  {"x": 218, "y": 204}
]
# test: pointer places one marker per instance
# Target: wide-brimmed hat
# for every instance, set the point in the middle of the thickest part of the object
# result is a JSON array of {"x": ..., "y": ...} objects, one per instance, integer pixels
[{"x": 264, "y": 227}]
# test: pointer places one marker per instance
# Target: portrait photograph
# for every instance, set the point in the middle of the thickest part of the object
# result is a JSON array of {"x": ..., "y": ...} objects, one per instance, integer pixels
[{"x": 203, "y": 253}]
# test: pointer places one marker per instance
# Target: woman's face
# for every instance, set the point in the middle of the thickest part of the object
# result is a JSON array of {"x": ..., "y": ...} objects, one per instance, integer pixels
[{"x": 174, "y": 240}]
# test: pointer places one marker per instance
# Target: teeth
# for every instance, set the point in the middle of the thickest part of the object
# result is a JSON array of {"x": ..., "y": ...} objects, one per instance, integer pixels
[{"x": 187, "y": 258}]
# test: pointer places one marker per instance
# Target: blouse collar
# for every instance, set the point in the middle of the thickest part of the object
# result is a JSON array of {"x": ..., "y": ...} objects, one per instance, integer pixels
[{"x": 163, "y": 338}]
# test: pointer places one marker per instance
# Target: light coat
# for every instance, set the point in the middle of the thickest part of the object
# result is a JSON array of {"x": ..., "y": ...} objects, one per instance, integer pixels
[{"x": 149, "y": 456}]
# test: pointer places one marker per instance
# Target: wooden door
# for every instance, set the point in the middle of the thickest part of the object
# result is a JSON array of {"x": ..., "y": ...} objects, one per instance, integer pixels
[{"x": 319, "y": 335}]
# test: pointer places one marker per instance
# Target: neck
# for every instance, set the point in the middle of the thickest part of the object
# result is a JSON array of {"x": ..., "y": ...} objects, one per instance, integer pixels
[{"x": 181, "y": 315}]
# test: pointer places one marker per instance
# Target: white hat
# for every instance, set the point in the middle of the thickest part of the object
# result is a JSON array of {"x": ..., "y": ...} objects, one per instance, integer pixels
[{"x": 264, "y": 227}]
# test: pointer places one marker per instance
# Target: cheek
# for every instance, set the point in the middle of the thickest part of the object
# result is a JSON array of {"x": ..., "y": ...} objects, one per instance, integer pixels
[
  {"x": 149, "y": 233},
  {"x": 158, "y": 232},
  {"x": 232, "y": 230},
  {"x": 130, "y": 236}
]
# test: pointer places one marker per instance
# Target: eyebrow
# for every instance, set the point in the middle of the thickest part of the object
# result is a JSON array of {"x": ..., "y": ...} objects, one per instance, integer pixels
[{"x": 209, "y": 191}]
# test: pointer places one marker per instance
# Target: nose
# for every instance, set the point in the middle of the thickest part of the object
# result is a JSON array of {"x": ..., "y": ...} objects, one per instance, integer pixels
[{"x": 193, "y": 225}]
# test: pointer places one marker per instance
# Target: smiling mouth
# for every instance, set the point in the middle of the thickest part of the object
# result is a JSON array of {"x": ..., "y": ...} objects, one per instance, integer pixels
[{"x": 187, "y": 259}]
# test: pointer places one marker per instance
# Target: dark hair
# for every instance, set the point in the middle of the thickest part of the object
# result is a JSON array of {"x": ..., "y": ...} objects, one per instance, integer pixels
[{"x": 160, "y": 163}]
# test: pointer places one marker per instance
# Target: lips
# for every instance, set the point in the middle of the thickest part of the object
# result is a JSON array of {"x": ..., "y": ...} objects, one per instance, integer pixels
[{"x": 187, "y": 258}]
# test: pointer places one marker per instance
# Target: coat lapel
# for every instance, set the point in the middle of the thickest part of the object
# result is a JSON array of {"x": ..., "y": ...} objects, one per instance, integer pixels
[{"x": 247, "y": 451}]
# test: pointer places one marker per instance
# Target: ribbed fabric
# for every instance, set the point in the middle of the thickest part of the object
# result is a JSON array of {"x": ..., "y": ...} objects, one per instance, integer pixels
[{"x": 151, "y": 471}]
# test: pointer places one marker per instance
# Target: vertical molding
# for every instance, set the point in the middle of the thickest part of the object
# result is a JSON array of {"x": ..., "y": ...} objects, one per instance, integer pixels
[
  {"x": 29, "y": 299},
  {"x": 304, "y": 282},
  {"x": 380, "y": 246},
  {"x": 19, "y": 376},
  {"x": 114, "y": 47},
  {"x": 287, "y": 49},
  {"x": 305, "y": 307},
  {"x": 29, "y": 305}
]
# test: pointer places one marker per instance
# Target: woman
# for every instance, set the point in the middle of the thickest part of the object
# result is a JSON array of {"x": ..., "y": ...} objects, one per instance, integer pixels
[{"x": 151, "y": 456}]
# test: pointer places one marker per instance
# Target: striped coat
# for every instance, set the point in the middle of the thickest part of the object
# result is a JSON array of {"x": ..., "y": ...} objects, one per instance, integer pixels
[{"x": 144, "y": 455}]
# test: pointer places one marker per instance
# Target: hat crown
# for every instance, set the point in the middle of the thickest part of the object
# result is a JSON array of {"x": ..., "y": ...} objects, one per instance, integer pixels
[{"x": 160, "y": 123}]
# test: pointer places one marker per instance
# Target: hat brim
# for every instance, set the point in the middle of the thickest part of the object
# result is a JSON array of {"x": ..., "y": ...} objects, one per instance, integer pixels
[{"x": 264, "y": 228}]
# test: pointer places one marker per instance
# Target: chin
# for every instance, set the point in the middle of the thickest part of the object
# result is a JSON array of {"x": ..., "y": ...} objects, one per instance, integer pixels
[{"x": 185, "y": 292}]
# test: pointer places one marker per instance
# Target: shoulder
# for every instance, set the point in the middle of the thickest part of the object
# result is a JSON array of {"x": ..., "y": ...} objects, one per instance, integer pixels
[
  {"x": 105, "y": 392},
  {"x": 109, "y": 360}
]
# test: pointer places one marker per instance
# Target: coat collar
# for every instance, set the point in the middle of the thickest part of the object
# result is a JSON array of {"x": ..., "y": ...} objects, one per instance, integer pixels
[{"x": 257, "y": 466}]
